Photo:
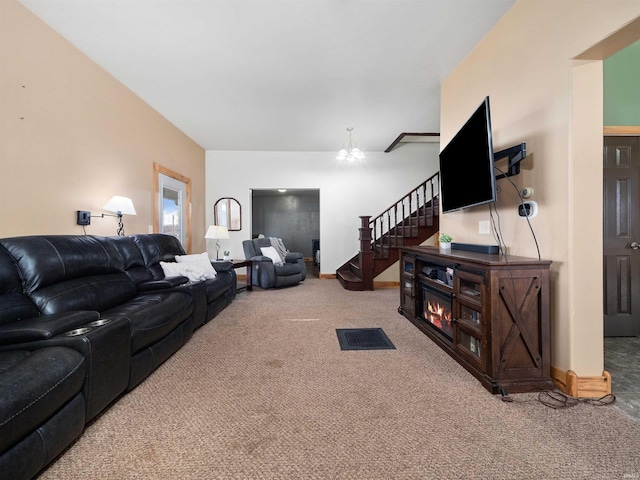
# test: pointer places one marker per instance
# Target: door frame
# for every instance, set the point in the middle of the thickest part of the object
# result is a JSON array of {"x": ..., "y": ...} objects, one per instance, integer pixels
[
  {"x": 629, "y": 131},
  {"x": 290, "y": 191},
  {"x": 157, "y": 170}
]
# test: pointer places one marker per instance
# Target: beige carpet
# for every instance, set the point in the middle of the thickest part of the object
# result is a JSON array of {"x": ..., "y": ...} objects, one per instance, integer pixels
[{"x": 264, "y": 392}]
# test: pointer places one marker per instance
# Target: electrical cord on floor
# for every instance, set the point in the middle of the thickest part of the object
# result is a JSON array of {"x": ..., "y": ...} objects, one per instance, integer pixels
[{"x": 558, "y": 400}]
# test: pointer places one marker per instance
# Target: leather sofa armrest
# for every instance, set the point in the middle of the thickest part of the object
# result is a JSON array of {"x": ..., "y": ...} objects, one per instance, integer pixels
[
  {"x": 222, "y": 265},
  {"x": 44, "y": 326},
  {"x": 261, "y": 258},
  {"x": 162, "y": 284},
  {"x": 293, "y": 257}
]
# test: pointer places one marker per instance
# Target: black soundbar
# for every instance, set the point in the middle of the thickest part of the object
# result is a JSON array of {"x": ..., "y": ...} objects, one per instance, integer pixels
[{"x": 470, "y": 247}]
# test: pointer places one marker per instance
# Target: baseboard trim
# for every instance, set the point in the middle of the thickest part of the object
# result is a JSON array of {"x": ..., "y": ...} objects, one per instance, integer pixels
[
  {"x": 582, "y": 387},
  {"x": 381, "y": 285}
]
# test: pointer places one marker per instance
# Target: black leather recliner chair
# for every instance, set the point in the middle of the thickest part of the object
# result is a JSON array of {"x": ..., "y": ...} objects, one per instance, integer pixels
[{"x": 42, "y": 404}]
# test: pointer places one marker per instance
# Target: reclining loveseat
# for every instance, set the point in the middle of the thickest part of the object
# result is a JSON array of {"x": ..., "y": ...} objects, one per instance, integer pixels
[
  {"x": 83, "y": 320},
  {"x": 282, "y": 269}
]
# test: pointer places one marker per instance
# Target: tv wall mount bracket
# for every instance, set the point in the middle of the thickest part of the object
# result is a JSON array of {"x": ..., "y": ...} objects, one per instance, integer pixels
[{"x": 516, "y": 154}]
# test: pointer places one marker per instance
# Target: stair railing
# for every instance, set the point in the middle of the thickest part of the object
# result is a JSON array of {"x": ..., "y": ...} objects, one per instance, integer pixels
[{"x": 404, "y": 217}]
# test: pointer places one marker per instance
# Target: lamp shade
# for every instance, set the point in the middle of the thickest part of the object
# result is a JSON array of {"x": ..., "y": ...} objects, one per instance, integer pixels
[
  {"x": 122, "y": 205},
  {"x": 217, "y": 232}
]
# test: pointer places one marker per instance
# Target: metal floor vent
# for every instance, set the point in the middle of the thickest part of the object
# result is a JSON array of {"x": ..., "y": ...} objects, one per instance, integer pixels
[{"x": 363, "y": 339}]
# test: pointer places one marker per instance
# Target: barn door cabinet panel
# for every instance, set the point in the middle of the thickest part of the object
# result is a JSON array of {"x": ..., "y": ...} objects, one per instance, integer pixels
[{"x": 489, "y": 313}]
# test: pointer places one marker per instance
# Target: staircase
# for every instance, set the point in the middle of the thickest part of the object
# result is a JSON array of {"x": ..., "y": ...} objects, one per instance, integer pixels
[{"x": 408, "y": 222}]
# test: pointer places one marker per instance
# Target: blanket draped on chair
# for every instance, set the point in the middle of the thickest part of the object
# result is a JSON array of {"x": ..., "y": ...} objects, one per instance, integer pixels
[{"x": 279, "y": 246}]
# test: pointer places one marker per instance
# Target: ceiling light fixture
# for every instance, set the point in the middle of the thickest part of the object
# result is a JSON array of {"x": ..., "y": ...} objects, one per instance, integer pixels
[{"x": 352, "y": 152}]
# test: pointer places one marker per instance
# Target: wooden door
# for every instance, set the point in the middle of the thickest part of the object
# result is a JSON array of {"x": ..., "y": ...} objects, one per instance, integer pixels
[{"x": 621, "y": 236}]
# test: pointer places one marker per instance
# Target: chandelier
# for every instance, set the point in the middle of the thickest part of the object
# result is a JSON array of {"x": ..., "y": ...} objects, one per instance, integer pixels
[{"x": 352, "y": 152}]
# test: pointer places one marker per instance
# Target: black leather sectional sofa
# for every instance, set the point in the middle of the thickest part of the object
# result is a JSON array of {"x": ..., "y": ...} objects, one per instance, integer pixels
[{"x": 84, "y": 319}]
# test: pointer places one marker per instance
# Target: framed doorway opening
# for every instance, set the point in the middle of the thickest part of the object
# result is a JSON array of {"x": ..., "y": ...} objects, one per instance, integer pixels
[{"x": 290, "y": 214}]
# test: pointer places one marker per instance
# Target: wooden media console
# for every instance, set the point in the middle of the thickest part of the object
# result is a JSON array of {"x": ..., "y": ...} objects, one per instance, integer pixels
[{"x": 490, "y": 313}]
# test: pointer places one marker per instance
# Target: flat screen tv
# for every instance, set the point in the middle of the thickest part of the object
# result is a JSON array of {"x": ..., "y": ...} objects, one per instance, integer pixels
[{"x": 467, "y": 177}]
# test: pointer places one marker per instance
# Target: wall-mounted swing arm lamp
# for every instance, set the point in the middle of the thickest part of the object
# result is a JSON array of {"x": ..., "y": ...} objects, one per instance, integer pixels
[
  {"x": 119, "y": 205},
  {"x": 218, "y": 233}
]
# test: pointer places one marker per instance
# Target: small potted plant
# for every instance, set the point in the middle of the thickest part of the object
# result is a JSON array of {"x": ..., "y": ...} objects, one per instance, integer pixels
[
  {"x": 445, "y": 241},
  {"x": 225, "y": 255}
]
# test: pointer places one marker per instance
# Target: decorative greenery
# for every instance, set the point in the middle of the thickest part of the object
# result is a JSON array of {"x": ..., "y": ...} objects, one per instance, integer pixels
[
  {"x": 444, "y": 238},
  {"x": 226, "y": 253}
]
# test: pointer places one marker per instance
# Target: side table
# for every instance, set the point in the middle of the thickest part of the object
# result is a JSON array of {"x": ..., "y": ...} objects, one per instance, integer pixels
[{"x": 242, "y": 264}]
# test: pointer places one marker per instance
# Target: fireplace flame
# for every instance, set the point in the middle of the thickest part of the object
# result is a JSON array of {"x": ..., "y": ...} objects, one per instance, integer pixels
[{"x": 438, "y": 315}]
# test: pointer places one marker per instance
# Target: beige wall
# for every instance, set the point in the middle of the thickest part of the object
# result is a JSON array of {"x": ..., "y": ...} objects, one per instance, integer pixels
[
  {"x": 71, "y": 136},
  {"x": 542, "y": 96}
]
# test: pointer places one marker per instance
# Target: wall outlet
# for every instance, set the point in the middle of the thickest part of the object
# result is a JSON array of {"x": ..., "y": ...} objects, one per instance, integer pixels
[
  {"x": 483, "y": 227},
  {"x": 528, "y": 209},
  {"x": 150, "y": 229}
]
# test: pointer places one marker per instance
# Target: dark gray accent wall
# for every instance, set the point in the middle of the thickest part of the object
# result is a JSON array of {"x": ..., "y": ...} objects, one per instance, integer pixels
[{"x": 292, "y": 216}]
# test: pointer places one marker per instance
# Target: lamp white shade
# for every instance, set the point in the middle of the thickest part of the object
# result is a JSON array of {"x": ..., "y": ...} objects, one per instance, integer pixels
[
  {"x": 121, "y": 205},
  {"x": 217, "y": 232}
]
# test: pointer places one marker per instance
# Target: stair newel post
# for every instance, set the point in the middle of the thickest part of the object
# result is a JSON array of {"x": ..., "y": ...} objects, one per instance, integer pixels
[{"x": 366, "y": 253}]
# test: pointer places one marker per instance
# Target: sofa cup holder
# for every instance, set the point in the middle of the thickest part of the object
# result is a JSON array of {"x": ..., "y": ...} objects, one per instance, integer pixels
[
  {"x": 99, "y": 323},
  {"x": 78, "y": 331}
]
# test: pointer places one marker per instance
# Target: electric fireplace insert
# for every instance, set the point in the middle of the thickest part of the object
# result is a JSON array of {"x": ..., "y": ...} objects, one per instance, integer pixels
[{"x": 437, "y": 308}]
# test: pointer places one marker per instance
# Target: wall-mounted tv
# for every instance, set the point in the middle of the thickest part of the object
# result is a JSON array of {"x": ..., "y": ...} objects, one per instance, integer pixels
[{"x": 467, "y": 177}]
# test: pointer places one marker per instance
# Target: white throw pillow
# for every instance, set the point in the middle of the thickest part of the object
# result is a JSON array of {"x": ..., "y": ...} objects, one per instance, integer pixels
[
  {"x": 201, "y": 260},
  {"x": 272, "y": 254},
  {"x": 172, "y": 269},
  {"x": 192, "y": 270}
]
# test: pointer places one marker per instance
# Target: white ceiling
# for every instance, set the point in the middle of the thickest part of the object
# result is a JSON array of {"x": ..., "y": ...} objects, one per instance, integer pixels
[{"x": 282, "y": 75}]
